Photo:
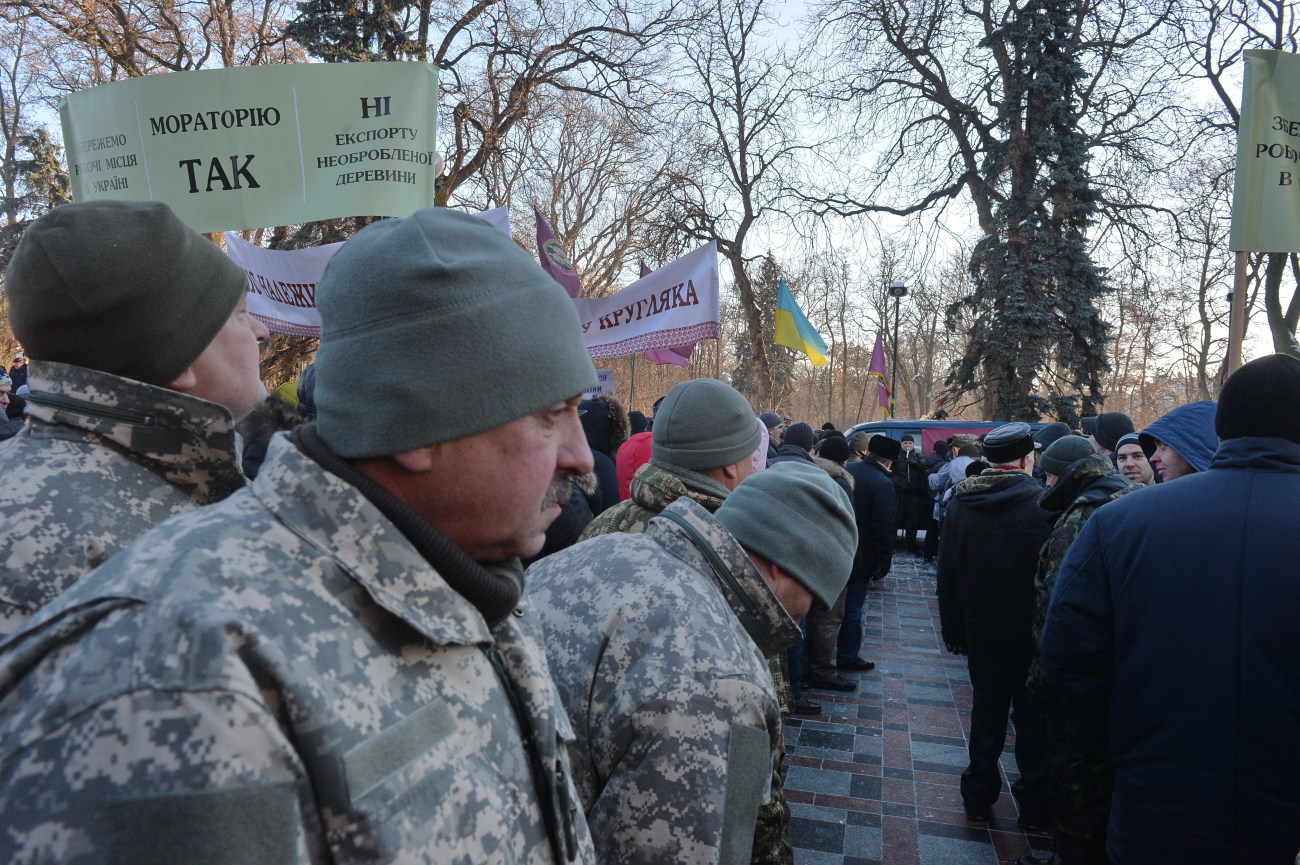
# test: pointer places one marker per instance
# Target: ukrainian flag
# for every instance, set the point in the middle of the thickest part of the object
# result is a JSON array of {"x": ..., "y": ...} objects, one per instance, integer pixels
[{"x": 793, "y": 330}]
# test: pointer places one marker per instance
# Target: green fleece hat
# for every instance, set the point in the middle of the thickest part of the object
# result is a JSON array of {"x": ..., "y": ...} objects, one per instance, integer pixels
[
  {"x": 456, "y": 328},
  {"x": 1063, "y": 453},
  {"x": 123, "y": 287},
  {"x": 704, "y": 424},
  {"x": 795, "y": 516}
]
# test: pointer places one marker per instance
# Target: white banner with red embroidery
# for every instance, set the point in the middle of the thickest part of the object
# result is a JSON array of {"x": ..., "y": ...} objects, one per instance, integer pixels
[
  {"x": 282, "y": 282},
  {"x": 675, "y": 305}
]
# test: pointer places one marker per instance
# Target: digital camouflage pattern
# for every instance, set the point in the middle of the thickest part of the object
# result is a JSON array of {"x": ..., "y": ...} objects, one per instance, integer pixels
[
  {"x": 281, "y": 678},
  {"x": 657, "y": 672},
  {"x": 655, "y": 486},
  {"x": 1081, "y": 777},
  {"x": 101, "y": 461}
]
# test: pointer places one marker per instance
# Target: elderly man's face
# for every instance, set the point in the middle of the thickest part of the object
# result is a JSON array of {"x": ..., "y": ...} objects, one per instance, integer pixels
[
  {"x": 907, "y": 446},
  {"x": 4, "y": 395},
  {"x": 494, "y": 493}
]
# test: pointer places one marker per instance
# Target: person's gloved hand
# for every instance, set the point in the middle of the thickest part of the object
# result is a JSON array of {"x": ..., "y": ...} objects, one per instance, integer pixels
[{"x": 955, "y": 648}]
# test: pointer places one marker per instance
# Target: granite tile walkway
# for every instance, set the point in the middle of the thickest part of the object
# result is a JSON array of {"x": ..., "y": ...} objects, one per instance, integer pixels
[{"x": 874, "y": 779}]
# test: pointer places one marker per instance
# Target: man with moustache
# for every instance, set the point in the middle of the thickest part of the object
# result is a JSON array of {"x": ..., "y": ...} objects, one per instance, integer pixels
[{"x": 336, "y": 664}]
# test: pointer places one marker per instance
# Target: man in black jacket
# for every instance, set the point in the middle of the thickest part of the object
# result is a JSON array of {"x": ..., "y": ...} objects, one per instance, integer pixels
[
  {"x": 874, "y": 506},
  {"x": 993, "y": 530}
]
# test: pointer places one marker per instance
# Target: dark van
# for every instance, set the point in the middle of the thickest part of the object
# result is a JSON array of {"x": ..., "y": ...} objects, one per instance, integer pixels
[{"x": 926, "y": 432}]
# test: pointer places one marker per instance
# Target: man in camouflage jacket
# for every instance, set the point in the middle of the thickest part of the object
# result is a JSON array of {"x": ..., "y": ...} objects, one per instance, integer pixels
[
  {"x": 145, "y": 357},
  {"x": 333, "y": 665},
  {"x": 1081, "y": 777},
  {"x": 701, "y": 429},
  {"x": 657, "y": 643}
]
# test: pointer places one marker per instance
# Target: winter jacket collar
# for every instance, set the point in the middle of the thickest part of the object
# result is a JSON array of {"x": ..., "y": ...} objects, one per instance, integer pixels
[
  {"x": 997, "y": 490},
  {"x": 692, "y": 534},
  {"x": 333, "y": 516},
  {"x": 834, "y": 469},
  {"x": 660, "y": 483},
  {"x": 1090, "y": 479},
  {"x": 793, "y": 452},
  {"x": 1258, "y": 452},
  {"x": 189, "y": 442}
]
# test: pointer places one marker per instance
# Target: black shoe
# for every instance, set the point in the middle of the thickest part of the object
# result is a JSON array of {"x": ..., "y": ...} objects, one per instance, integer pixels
[
  {"x": 1033, "y": 860},
  {"x": 977, "y": 815},
  {"x": 857, "y": 665},
  {"x": 804, "y": 706},
  {"x": 834, "y": 683}
]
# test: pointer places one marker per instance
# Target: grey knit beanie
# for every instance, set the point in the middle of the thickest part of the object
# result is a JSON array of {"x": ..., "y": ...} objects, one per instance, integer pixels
[
  {"x": 770, "y": 419},
  {"x": 1064, "y": 452},
  {"x": 459, "y": 328},
  {"x": 795, "y": 516},
  {"x": 704, "y": 424},
  {"x": 123, "y": 287}
]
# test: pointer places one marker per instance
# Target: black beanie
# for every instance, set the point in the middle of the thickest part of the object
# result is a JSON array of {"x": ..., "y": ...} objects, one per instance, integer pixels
[
  {"x": 834, "y": 448},
  {"x": 800, "y": 435},
  {"x": 1261, "y": 399},
  {"x": 1111, "y": 427},
  {"x": 1050, "y": 433}
]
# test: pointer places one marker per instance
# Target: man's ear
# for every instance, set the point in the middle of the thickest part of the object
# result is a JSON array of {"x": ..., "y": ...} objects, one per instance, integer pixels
[
  {"x": 731, "y": 471},
  {"x": 417, "y": 460},
  {"x": 185, "y": 382}
]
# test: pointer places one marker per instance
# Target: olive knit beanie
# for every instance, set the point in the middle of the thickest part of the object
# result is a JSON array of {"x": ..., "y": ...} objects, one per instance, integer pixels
[
  {"x": 703, "y": 424},
  {"x": 1063, "y": 453},
  {"x": 123, "y": 287},
  {"x": 796, "y": 517},
  {"x": 460, "y": 329}
]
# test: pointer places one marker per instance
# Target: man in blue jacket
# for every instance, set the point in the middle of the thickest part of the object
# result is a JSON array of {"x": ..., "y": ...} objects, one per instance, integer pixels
[
  {"x": 1182, "y": 442},
  {"x": 1171, "y": 634}
]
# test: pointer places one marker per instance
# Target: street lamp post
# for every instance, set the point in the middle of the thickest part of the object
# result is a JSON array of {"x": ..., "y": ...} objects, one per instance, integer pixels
[{"x": 899, "y": 291}]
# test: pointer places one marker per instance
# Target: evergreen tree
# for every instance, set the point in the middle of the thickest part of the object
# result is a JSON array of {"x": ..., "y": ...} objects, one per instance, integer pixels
[
  {"x": 352, "y": 30},
  {"x": 766, "y": 285},
  {"x": 1037, "y": 326},
  {"x": 39, "y": 184}
]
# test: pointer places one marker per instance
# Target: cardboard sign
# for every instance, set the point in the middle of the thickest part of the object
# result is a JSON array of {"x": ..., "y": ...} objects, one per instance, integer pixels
[{"x": 247, "y": 147}]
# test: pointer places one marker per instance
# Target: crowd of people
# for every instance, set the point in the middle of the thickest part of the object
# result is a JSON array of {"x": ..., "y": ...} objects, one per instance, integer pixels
[{"x": 482, "y": 618}]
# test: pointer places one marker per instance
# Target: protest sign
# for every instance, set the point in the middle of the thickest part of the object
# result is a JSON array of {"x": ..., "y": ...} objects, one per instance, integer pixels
[
  {"x": 1266, "y": 196},
  {"x": 674, "y": 305},
  {"x": 282, "y": 282},
  {"x": 604, "y": 384},
  {"x": 247, "y": 147}
]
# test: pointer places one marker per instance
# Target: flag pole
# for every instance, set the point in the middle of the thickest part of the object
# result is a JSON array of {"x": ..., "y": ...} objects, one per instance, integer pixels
[{"x": 1237, "y": 314}]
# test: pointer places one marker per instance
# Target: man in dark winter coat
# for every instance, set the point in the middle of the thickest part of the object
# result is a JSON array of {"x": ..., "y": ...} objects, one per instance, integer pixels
[
  {"x": 875, "y": 507},
  {"x": 1172, "y": 631},
  {"x": 914, "y": 503},
  {"x": 606, "y": 426},
  {"x": 993, "y": 529},
  {"x": 796, "y": 445},
  {"x": 1079, "y": 481}
]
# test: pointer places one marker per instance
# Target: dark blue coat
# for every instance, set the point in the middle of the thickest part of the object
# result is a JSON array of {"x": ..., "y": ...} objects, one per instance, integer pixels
[
  {"x": 1175, "y": 626},
  {"x": 875, "y": 505}
]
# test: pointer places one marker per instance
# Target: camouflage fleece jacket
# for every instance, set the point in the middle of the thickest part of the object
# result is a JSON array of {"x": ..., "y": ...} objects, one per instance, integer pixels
[
  {"x": 283, "y": 678},
  {"x": 1085, "y": 486},
  {"x": 655, "y": 486},
  {"x": 101, "y": 461},
  {"x": 657, "y": 644}
]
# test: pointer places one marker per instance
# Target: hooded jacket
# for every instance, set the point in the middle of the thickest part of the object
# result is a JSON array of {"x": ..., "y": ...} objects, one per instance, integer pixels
[
  {"x": 1189, "y": 430},
  {"x": 992, "y": 532},
  {"x": 606, "y": 427}
]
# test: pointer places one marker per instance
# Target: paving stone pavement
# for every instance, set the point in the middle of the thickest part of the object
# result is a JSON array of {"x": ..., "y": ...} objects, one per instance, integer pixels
[{"x": 874, "y": 779}]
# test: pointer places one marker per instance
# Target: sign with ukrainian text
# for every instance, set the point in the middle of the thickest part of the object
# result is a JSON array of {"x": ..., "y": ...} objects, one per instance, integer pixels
[
  {"x": 672, "y": 306},
  {"x": 1266, "y": 197},
  {"x": 248, "y": 147}
]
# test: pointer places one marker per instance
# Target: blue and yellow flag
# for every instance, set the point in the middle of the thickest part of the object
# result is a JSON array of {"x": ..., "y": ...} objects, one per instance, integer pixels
[{"x": 793, "y": 330}]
